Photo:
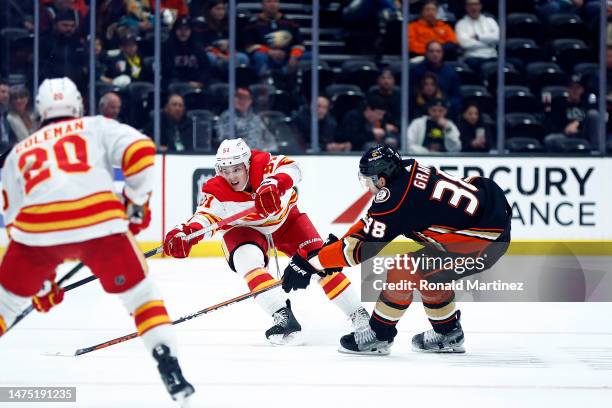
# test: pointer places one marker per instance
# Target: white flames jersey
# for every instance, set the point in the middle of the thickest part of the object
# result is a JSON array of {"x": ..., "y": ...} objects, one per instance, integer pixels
[
  {"x": 58, "y": 183},
  {"x": 220, "y": 200}
]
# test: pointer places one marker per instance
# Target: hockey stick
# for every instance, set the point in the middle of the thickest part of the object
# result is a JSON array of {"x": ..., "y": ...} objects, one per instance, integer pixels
[
  {"x": 178, "y": 321},
  {"x": 147, "y": 254}
]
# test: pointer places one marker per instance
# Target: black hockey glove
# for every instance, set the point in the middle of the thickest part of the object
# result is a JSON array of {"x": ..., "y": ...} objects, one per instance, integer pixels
[{"x": 298, "y": 273}]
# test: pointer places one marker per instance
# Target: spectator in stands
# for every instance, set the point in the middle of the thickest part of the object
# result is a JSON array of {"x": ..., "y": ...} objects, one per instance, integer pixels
[
  {"x": 101, "y": 64},
  {"x": 476, "y": 136},
  {"x": 327, "y": 126},
  {"x": 128, "y": 66},
  {"x": 478, "y": 35},
  {"x": 176, "y": 134},
  {"x": 52, "y": 8},
  {"x": 575, "y": 116},
  {"x": 365, "y": 127},
  {"x": 545, "y": 8},
  {"x": 427, "y": 91},
  {"x": 110, "y": 105},
  {"x": 248, "y": 124},
  {"x": 214, "y": 35},
  {"x": 434, "y": 132},
  {"x": 184, "y": 59},
  {"x": 61, "y": 52},
  {"x": 108, "y": 15},
  {"x": 428, "y": 28},
  {"x": 20, "y": 117},
  {"x": 7, "y": 137},
  {"x": 448, "y": 80},
  {"x": 385, "y": 88},
  {"x": 274, "y": 41}
]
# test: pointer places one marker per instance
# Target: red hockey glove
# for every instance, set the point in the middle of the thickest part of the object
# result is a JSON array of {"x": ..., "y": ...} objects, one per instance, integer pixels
[
  {"x": 175, "y": 244},
  {"x": 50, "y": 295},
  {"x": 267, "y": 197},
  {"x": 139, "y": 216}
]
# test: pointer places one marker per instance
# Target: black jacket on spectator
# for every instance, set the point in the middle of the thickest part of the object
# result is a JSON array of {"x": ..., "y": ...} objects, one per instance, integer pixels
[
  {"x": 327, "y": 128},
  {"x": 357, "y": 130},
  {"x": 176, "y": 136},
  {"x": 262, "y": 34},
  {"x": 564, "y": 112},
  {"x": 7, "y": 136},
  {"x": 468, "y": 133},
  {"x": 448, "y": 80},
  {"x": 185, "y": 61},
  {"x": 209, "y": 36},
  {"x": 394, "y": 105},
  {"x": 62, "y": 56}
]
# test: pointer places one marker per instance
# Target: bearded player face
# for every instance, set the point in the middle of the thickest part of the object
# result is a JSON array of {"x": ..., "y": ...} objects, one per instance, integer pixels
[{"x": 237, "y": 176}]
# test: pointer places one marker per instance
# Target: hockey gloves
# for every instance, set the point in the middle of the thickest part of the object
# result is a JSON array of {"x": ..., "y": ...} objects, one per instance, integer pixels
[
  {"x": 50, "y": 295},
  {"x": 175, "y": 244},
  {"x": 139, "y": 216},
  {"x": 267, "y": 197},
  {"x": 298, "y": 273}
]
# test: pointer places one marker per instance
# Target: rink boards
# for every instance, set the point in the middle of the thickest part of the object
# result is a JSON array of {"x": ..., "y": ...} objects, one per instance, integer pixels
[{"x": 554, "y": 199}]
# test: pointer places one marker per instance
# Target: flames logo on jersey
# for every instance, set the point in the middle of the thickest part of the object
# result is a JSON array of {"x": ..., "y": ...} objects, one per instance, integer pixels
[{"x": 279, "y": 39}]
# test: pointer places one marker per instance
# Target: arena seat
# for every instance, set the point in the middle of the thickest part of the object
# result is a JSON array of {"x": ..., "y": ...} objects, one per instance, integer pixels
[
  {"x": 523, "y": 125},
  {"x": 520, "y": 99},
  {"x": 524, "y": 25},
  {"x": 479, "y": 95},
  {"x": 570, "y": 51},
  {"x": 524, "y": 145}
]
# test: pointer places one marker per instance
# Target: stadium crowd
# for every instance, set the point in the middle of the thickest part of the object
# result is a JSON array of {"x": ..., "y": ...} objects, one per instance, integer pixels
[{"x": 551, "y": 72}]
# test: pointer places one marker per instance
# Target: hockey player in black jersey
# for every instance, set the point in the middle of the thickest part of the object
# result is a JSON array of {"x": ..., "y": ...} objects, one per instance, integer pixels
[{"x": 449, "y": 216}]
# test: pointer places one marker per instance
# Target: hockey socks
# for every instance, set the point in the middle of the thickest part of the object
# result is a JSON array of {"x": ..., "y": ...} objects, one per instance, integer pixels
[
  {"x": 388, "y": 313},
  {"x": 337, "y": 289},
  {"x": 153, "y": 324},
  {"x": 269, "y": 301},
  {"x": 441, "y": 310},
  {"x": 11, "y": 306}
]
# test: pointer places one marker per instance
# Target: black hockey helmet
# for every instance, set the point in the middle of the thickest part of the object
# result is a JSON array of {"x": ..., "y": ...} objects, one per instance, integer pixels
[{"x": 380, "y": 160}]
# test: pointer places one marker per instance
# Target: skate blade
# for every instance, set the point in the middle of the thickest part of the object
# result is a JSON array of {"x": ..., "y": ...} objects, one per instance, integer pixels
[
  {"x": 448, "y": 350},
  {"x": 377, "y": 352},
  {"x": 183, "y": 398},
  {"x": 292, "y": 339}
]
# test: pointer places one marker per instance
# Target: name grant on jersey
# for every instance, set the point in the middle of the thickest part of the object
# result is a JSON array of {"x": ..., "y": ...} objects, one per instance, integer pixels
[{"x": 57, "y": 131}]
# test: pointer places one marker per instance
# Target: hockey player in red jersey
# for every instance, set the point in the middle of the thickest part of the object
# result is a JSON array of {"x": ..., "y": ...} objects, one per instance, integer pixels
[
  {"x": 457, "y": 218},
  {"x": 246, "y": 178},
  {"x": 59, "y": 203}
]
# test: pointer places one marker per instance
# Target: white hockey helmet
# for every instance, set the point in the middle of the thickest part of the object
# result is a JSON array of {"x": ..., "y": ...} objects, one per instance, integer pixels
[
  {"x": 232, "y": 152},
  {"x": 57, "y": 98}
]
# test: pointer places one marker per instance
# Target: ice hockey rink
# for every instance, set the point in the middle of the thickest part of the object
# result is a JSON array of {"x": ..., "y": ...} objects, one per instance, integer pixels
[{"x": 518, "y": 354}]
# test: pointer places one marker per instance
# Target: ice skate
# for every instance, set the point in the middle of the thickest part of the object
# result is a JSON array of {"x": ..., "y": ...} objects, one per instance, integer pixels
[
  {"x": 360, "y": 320},
  {"x": 433, "y": 342},
  {"x": 178, "y": 388},
  {"x": 286, "y": 330},
  {"x": 364, "y": 341}
]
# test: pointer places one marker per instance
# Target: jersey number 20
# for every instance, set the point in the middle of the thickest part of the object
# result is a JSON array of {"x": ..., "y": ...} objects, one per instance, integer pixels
[
  {"x": 70, "y": 154},
  {"x": 459, "y": 188}
]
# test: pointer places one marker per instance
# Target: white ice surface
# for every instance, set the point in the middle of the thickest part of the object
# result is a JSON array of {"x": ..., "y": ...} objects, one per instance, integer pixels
[{"x": 519, "y": 354}]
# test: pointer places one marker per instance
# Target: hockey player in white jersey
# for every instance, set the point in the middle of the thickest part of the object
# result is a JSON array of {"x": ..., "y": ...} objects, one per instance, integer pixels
[
  {"x": 247, "y": 178},
  {"x": 59, "y": 204}
]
